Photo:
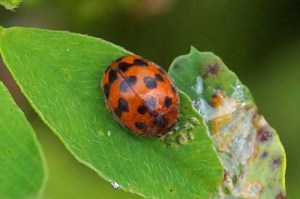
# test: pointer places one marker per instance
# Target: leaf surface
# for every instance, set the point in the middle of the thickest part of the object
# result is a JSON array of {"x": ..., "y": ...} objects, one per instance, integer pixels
[
  {"x": 22, "y": 173},
  {"x": 60, "y": 74},
  {"x": 252, "y": 154}
]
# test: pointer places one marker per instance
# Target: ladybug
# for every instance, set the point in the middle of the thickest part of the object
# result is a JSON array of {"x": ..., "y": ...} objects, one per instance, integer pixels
[{"x": 140, "y": 95}]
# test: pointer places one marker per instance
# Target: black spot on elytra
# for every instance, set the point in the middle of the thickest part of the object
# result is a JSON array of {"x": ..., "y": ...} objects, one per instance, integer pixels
[
  {"x": 158, "y": 77},
  {"x": 106, "y": 89},
  {"x": 140, "y": 125},
  {"x": 122, "y": 107},
  {"x": 140, "y": 62},
  {"x": 151, "y": 103},
  {"x": 168, "y": 101},
  {"x": 131, "y": 80},
  {"x": 173, "y": 89},
  {"x": 150, "y": 82},
  {"x": 123, "y": 66},
  {"x": 112, "y": 76},
  {"x": 142, "y": 109},
  {"x": 118, "y": 112},
  {"x": 127, "y": 82},
  {"x": 264, "y": 134},
  {"x": 123, "y": 86},
  {"x": 161, "y": 121}
]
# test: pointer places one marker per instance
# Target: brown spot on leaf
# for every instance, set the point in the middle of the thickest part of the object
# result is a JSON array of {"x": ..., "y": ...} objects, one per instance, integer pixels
[
  {"x": 264, "y": 154},
  {"x": 276, "y": 162},
  {"x": 218, "y": 98},
  {"x": 211, "y": 69},
  {"x": 264, "y": 134},
  {"x": 226, "y": 177},
  {"x": 281, "y": 195}
]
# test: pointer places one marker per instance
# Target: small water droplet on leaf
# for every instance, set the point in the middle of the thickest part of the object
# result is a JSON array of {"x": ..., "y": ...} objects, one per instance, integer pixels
[{"x": 115, "y": 185}]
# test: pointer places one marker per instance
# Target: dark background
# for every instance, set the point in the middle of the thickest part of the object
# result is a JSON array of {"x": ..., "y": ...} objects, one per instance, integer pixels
[{"x": 259, "y": 41}]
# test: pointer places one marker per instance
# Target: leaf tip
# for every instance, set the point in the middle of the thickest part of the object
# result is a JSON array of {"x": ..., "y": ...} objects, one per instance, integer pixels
[
  {"x": 193, "y": 49},
  {"x": 204, "y": 54}
]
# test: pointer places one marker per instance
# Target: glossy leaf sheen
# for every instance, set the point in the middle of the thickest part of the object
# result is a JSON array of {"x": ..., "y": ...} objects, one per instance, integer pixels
[
  {"x": 60, "y": 74},
  {"x": 22, "y": 172}
]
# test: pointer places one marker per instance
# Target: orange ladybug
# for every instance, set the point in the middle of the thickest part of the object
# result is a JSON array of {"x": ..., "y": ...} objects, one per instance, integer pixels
[{"x": 140, "y": 95}]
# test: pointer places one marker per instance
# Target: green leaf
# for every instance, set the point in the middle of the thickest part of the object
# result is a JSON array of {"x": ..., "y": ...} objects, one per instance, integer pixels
[
  {"x": 10, "y": 4},
  {"x": 252, "y": 154},
  {"x": 60, "y": 74},
  {"x": 207, "y": 69},
  {"x": 22, "y": 173}
]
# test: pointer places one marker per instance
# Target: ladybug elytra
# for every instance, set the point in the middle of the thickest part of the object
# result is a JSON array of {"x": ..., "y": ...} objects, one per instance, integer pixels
[{"x": 140, "y": 95}]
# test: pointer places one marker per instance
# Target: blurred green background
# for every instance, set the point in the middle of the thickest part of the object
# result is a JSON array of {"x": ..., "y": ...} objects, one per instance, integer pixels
[{"x": 258, "y": 40}]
